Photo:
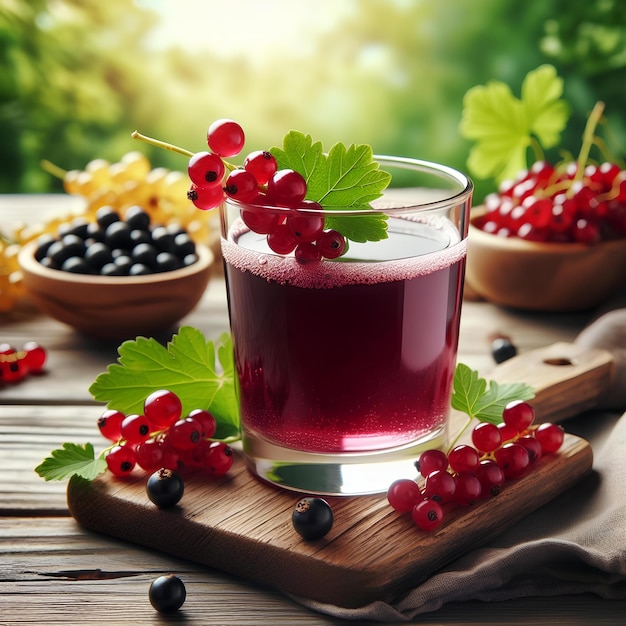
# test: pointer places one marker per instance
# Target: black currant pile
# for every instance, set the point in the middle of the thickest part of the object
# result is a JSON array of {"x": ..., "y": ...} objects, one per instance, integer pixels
[{"x": 117, "y": 245}]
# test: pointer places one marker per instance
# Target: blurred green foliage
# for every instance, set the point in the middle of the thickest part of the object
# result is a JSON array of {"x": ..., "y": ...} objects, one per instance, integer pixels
[{"x": 78, "y": 76}]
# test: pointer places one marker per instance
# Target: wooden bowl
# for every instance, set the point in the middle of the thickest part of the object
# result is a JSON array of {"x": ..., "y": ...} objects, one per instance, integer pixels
[
  {"x": 116, "y": 307},
  {"x": 547, "y": 277}
]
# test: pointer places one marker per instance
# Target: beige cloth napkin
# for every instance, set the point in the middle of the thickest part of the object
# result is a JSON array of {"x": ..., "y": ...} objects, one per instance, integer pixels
[{"x": 575, "y": 544}]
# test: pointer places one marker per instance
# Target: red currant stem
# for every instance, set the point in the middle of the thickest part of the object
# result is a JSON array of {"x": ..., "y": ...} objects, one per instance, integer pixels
[
  {"x": 606, "y": 152},
  {"x": 553, "y": 189},
  {"x": 160, "y": 144},
  {"x": 588, "y": 139},
  {"x": 171, "y": 147},
  {"x": 104, "y": 452},
  {"x": 460, "y": 433},
  {"x": 52, "y": 169}
]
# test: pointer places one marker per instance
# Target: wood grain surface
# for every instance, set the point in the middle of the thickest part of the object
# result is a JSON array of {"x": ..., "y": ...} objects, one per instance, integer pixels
[{"x": 243, "y": 527}]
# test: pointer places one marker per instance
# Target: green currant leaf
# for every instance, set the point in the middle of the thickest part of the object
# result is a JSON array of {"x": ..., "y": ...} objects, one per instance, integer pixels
[
  {"x": 344, "y": 179},
  {"x": 187, "y": 366},
  {"x": 72, "y": 460},
  {"x": 473, "y": 396},
  {"x": 546, "y": 114},
  {"x": 299, "y": 153},
  {"x": 504, "y": 126}
]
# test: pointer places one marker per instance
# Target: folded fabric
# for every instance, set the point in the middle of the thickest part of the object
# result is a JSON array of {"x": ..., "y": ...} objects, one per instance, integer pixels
[{"x": 574, "y": 544}]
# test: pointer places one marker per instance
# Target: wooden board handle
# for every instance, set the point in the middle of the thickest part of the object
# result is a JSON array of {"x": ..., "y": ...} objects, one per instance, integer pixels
[{"x": 567, "y": 378}]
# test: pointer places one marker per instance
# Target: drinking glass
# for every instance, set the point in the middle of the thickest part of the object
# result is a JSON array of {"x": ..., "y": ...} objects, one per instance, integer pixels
[{"x": 344, "y": 366}]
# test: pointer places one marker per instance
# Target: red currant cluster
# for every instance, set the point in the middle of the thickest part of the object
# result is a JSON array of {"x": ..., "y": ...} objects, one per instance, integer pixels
[
  {"x": 471, "y": 473},
  {"x": 558, "y": 205},
  {"x": 162, "y": 438},
  {"x": 15, "y": 365},
  {"x": 259, "y": 186}
]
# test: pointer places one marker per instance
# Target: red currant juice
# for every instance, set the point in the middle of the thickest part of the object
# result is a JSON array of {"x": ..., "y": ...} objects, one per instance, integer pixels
[{"x": 345, "y": 356}]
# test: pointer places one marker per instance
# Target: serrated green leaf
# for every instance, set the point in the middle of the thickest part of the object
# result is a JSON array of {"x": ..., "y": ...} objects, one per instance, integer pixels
[
  {"x": 503, "y": 126},
  {"x": 345, "y": 179},
  {"x": 473, "y": 396},
  {"x": 187, "y": 366},
  {"x": 490, "y": 406},
  {"x": 299, "y": 153},
  {"x": 71, "y": 460},
  {"x": 468, "y": 387},
  {"x": 546, "y": 113}
]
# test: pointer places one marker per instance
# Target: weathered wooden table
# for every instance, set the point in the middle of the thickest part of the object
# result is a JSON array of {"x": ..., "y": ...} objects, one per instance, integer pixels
[{"x": 54, "y": 571}]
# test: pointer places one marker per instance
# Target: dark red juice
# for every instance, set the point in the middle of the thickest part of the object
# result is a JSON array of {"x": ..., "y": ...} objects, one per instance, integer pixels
[{"x": 344, "y": 356}]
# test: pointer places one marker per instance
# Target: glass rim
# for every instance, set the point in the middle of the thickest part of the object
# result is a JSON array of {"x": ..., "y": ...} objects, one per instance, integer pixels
[{"x": 444, "y": 172}]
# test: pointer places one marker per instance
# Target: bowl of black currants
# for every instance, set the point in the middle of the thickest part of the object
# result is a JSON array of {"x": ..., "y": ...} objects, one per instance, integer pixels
[{"x": 116, "y": 276}]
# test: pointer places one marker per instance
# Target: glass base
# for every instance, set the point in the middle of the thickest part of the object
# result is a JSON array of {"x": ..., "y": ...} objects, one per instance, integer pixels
[{"x": 348, "y": 474}]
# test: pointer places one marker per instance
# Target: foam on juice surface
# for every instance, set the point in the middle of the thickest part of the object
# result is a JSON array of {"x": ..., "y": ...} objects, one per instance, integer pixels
[{"x": 420, "y": 254}]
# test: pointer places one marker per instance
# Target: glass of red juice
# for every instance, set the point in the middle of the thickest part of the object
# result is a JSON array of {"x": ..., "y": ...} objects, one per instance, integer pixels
[{"x": 345, "y": 366}]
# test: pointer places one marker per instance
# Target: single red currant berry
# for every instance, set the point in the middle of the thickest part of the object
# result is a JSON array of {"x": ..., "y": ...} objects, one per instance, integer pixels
[
  {"x": 306, "y": 226},
  {"x": 463, "y": 458},
  {"x": 486, "y": 437},
  {"x": 110, "y": 424},
  {"x": 286, "y": 188},
  {"x": 135, "y": 428},
  {"x": 6, "y": 348},
  {"x": 35, "y": 356},
  {"x": 507, "y": 432},
  {"x": 404, "y": 494},
  {"x": 195, "y": 457},
  {"x": 533, "y": 447},
  {"x": 184, "y": 434},
  {"x": 205, "y": 168},
  {"x": 261, "y": 164},
  {"x": 218, "y": 459},
  {"x": 14, "y": 367},
  {"x": 431, "y": 460},
  {"x": 171, "y": 458},
  {"x": 427, "y": 515},
  {"x": 162, "y": 408},
  {"x": 205, "y": 198},
  {"x": 260, "y": 219},
  {"x": 149, "y": 455},
  {"x": 491, "y": 477},
  {"x": 332, "y": 244},
  {"x": 206, "y": 420},
  {"x": 586, "y": 231},
  {"x": 513, "y": 459},
  {"x": 518, "y": 415},
  {"x": 550, "y": 436},
  {"x": 439, "y": 485},
  {"x": 281, "y": 241},
  {"x": 307, "y": 253},
  {"x": 225, "y": 137},
  {"x": 467, "y": 489},
  {"x": 121, "y": 460},
  {"x": 241, "y": 185}
]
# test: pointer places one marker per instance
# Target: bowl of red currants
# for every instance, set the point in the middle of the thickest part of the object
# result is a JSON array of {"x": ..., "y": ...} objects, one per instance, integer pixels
[
  {"x": 116, "y": 276},
  {"x": 551, "y": 241}
]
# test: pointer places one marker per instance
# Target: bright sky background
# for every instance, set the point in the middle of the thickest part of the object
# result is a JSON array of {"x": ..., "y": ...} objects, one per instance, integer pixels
[{"x": 247, "y": 27}]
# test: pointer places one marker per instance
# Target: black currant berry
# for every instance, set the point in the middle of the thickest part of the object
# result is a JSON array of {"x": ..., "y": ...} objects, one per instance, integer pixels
[
  {"x": 312, "y": 518},
  {"x": 165, "y": 488},
  {"x": 502, "y": 349},
  {"x": 167, "y": 593}
]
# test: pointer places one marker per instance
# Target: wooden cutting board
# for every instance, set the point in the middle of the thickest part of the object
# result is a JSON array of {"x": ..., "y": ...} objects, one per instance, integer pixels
[{"x": 242, "y": 526}]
